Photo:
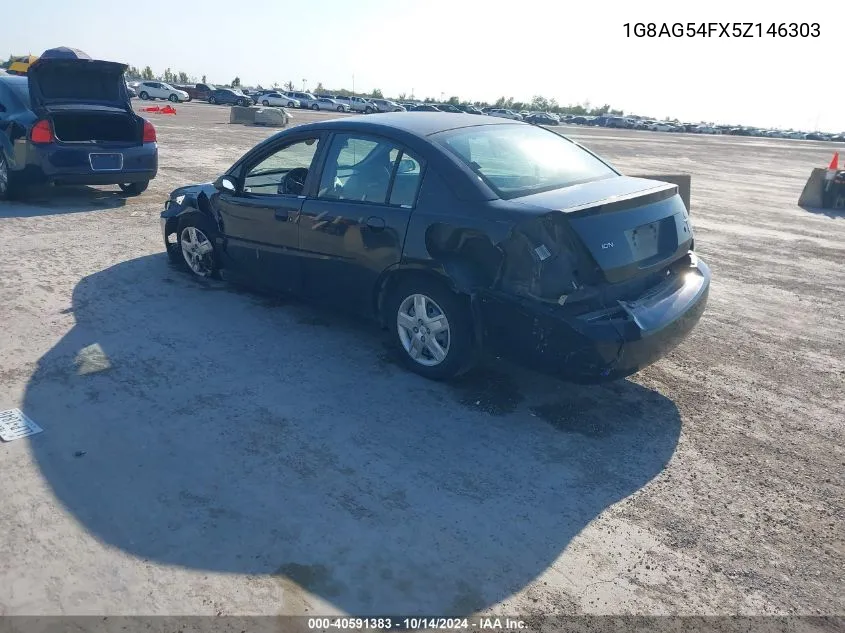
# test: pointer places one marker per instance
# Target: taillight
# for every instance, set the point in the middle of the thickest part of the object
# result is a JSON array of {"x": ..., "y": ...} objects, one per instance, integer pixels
[
  {"x": 42, "y": 132},
  {"x": 149, "y": 132}
]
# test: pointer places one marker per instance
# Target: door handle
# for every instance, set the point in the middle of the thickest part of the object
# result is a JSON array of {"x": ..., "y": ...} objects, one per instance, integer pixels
[
  {"x": 375, "y": 223},
  {"x": 282, "y": 215}
]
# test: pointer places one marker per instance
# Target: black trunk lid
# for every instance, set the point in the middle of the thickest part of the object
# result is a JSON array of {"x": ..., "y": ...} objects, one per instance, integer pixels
[
  {"x": 58, "y": 82},
  {"x": 630, "y": 226}
]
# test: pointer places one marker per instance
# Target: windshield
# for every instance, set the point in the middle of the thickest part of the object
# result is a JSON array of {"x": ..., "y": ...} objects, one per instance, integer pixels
[{"x": 518, "y": 160}]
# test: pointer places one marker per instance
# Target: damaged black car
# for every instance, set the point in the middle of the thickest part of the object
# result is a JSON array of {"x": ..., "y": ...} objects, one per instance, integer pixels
[{"x": 458, "y": 234}]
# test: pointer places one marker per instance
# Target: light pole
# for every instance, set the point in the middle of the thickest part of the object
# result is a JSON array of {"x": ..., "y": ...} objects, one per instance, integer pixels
[
  {"x": 303, "y": 84},
  {"x": 353, "y": 84}
]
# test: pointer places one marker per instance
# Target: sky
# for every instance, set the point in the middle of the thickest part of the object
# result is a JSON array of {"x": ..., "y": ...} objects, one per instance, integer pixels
[{"x": 575, "y": 52}]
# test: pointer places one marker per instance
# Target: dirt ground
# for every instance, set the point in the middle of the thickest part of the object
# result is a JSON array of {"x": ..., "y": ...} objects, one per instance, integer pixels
[{"x": 247, "y": 455}]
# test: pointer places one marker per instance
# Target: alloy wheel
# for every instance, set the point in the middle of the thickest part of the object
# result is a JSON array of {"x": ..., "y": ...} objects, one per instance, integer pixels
[
  {"x": 423, "y": 330},
  {"x": 198, "y": 251}
]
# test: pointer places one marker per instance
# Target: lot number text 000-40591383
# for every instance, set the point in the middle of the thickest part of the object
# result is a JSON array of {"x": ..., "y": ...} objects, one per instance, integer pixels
[{"x": 722, "y": 29}]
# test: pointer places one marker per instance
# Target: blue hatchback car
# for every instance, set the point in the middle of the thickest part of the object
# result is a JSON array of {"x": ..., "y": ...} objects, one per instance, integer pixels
[{"x": 69, "y": 121}]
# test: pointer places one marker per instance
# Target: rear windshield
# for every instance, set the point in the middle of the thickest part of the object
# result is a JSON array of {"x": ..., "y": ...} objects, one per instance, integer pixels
[{"x": 518, "y": 160}]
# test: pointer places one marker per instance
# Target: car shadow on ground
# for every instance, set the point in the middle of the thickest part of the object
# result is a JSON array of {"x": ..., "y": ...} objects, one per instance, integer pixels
[
  {"x": 218, "y": 430},
  {"x": 831, "y": 213},
  {"x": 59, "y": 200}
]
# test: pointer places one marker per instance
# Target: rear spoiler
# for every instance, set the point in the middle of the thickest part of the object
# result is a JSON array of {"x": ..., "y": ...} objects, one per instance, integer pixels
[{"x": 683, "y": 181}]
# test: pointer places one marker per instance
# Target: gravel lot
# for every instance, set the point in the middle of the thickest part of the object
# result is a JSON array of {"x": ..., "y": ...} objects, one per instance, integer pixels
[{"x": 249, "y": 455}]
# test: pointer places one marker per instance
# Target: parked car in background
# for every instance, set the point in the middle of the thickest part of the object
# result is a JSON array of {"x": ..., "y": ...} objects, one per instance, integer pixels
[
  {"x": 470, "y": 109},
  {"x": 325, "y": 103},
  {"x": 277, "y": 99},
  {"x": 661, "y": 126},
  {"x": 541, "y": 118},
  {"x": 131, "y": 91},
  {"x": 458, "y": 235},
  {"x": 385, "y": 105},
  {"x": 578, "y": 120},
  {"x": 200, "y": 92},
  {"x": 448, "y": 107},
  {"x": 159, "y": 90},
  {"x": 356, "y": 104},
  {"x": 619, "y": 122},
  {"x": 306, "y": 99},
  {"x": 504, "y": 113},
  {"x": 69, "y": 121},
  {"x": 424, "y": 107},
  {"x": 229, "y": 96}
]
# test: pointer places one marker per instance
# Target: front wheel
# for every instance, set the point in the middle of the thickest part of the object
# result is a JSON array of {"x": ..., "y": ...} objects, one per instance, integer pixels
[
  {"x": 134, "y": 188},
  {"x": 340, "y": 108},
  {"x": 368, "y": 110},
  {"x": 265, "y": 103},
  {"x": 194, "y": 237},
  {"x": 431, "y": 328},
  {"x": 315, "y": 107},
  {"x": 212, "y": 100},
  {"x": 291, "y": 104},
  {"x": 144, "y": 95},
  {"x": 173, "y": 98}
]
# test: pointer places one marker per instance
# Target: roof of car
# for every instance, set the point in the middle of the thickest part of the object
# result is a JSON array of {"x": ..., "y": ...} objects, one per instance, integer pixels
[
  {"x": 419, "y": 123},
  {"x": 13, "y": 79}
]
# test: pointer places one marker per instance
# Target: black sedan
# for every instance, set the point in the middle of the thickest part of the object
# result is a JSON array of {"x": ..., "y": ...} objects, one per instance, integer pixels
[
  {"x": 457, "y": 233},
  {"x": 425, "y": 107},
  {"x": 226, "y": 96},
  {"x": 69, "y": 121},
  {"x": 541, "y": 118}
]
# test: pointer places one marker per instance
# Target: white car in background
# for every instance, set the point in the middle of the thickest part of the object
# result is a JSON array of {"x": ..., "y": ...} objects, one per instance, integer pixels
[
  {"x": 386, "y": 105},
  {"x": 662, "y": 126},
  {"x": 278, "y": 99},
  {"x": 159, "y": 90},
  {"x": 325, "y": 103},
  {"x": 357, "y": 104},
  {"x": 504, "y": 113},
  {"x": 706, "y": 129}
]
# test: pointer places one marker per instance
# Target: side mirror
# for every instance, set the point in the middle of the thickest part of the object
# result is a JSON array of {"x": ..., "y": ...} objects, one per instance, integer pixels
[{"x": 225, "y": 183}]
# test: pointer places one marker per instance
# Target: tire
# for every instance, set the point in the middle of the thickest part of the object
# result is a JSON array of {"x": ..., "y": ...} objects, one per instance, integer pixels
[
  {"x": 368, "y": 110},
  {"x": 212, "y": 100},
  {"x": 290, "y": 104},
  {"x": 134, "y": 188},
  {"x": 173, "y": 98},
  {"x": 315, "y": 107},
  {"x": 144, "y": 95},
  {"x": 265, "y": 103},
  {"x": 244, "y": 103},
  {"x": 340, "y": 108},
  {"x": 200, "y": 230},
  {"x": 456, "y": 343},
  {"x": 9, "y": 188}
]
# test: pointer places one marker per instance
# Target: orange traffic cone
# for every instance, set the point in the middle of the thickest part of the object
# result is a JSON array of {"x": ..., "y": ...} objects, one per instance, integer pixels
[
  {"x": 834, "y": 164},
  {"x": 152, "y": 109}
]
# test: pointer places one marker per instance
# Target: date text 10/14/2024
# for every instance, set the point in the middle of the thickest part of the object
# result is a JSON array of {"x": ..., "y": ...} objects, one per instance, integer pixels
[
  {"x": 722, "y": 29},
  {"x": 417, "y": 623}
]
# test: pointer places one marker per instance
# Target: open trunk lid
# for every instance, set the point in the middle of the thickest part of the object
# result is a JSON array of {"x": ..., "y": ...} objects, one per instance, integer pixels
[
  {"x": 630, "y": 226},
  {"x": 57, "y": 82}
]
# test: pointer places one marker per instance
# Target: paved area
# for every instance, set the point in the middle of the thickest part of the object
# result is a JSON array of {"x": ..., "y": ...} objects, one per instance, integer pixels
[{"x": 247, "y": 455}]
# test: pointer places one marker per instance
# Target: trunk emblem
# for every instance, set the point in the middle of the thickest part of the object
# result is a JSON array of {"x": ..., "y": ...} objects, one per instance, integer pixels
[{"x": 607, "y": 245}]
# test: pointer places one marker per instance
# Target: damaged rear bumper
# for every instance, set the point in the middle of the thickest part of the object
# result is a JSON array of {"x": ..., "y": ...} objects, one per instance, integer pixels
[{"x": 601, "y": 345}]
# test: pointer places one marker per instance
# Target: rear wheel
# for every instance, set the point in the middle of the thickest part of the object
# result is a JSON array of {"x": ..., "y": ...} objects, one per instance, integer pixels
[
  {"x": 8, "y": 186},
  {"x": 134, "y": 188},
  {"x": 368, "y": 110},
  {"x": 315, "y": 107},
  {"x": 340, "y": 108},
  {"x": 431, "y": 328},
  {"x": 144, "y": 95},
  {"x": 265, "y": 103},
  {"x": 194, "y": 237},
  {"x": 291, "y": 104},
  {"x": 173, "y": 98},
  {"x": 212, "y": 100}
]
